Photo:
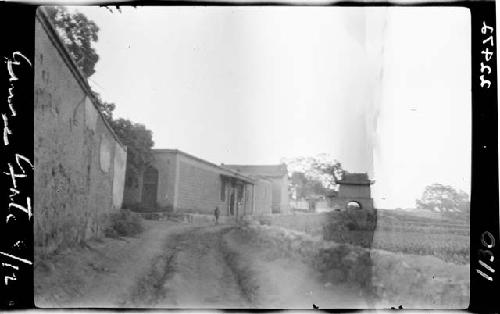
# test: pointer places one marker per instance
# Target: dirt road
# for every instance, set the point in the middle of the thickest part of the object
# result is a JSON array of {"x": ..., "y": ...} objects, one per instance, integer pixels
[{"x": 186, "y": 266}]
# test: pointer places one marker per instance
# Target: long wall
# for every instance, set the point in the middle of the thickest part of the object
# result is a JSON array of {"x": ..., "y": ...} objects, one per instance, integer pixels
[
  {"x": 263, "y": 197},
  {"x": 166, "y": 164},
  {"x": 199, "y": 187},
  {"x": 314, "y": 223},
  {"x": 187, "y": 184},
  {"x": 361, "y": 191},
  {"x": 79, "y": 163}
]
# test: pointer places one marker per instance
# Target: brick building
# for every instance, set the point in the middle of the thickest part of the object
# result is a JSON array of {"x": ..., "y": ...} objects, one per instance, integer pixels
[
  {"x": 355, "y": 188},
  {"x": 79, "y": 161},
  {"x": 278, "y": 175},
  {"x": 180, "y": 182}
]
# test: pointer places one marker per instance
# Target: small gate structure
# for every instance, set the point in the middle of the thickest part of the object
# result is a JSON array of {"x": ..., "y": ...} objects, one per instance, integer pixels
[{"x": 353, "y": 193}]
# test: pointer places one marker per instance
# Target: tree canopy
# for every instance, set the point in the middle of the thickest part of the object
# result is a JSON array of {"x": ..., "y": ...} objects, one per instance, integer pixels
[
  {"x": 139, "y": 141},
  {"x": 78, "y": 34},
  {"x": 303, "y": 187},
  {"x": 444, "y": 199},
  {"x": 313, "y": 175},
  {"x": 106, "y": 108}
]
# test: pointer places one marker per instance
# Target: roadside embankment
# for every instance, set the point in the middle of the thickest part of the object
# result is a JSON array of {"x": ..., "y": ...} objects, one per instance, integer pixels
[
  {"x": 386, "y": 279},
  {"x": 193, "y": 218}
]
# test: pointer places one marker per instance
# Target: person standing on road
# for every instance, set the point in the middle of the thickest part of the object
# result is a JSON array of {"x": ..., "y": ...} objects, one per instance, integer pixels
[{"x": 216, "y": 214}]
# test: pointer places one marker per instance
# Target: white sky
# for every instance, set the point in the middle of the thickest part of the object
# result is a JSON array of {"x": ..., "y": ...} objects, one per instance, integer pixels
[{"x": 253, "y": 85}]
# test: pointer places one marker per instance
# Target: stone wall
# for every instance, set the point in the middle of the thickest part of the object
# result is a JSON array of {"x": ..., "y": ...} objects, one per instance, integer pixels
[
  {"x": 386, "y": 279},
  {"x": 318, "y": 223},
  {"x": 190, "y": 185},
  {"x": 354, "y": 191},
  {"x": 199, "y": 187},
  {"x": 120, "y": 166},
  {"x": 340, "y": 203},
  {"x": 280, "y": 195},
  {"x": 78, "y": 160},
  {"x": 263, "y": 197},
  {"x": 166, "y": 164}
]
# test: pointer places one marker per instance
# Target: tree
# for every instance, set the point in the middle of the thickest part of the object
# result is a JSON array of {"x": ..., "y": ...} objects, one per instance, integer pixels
[
  {"x": 444, "y": 199},
  {"x": 314, "y": 188},
  {"x": 106, "y": 108},
  {"x": 139, "y": 141},
  {"x": 332, "y": 168},
  {"x": 78, "y": 34},
  {"x": 322, "y": 167},
  {"x": 296, "y": 185},
  {"x": 313, "y": 175}
]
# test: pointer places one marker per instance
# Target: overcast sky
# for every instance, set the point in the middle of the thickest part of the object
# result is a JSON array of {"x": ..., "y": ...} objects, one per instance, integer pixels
[{"x": 385, "y": 91}]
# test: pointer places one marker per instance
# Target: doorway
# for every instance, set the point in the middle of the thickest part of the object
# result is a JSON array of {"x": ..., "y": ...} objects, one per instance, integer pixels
[
  {"x": 149, "y": 188},
  {"x": 231, "y": 203}
]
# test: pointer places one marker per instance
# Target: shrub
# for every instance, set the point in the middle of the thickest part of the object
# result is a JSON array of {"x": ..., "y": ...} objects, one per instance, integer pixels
[
  {"x": 124, "y": 223},
  {"x": 264, "y": 220},
  {"x": 167, "y": 208},
  {"x": 132, "y": 206}
]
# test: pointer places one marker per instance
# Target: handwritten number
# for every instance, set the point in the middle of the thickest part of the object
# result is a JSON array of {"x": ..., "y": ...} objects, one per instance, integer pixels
[
  {"x": 487, "y": 54},
  {"x": 10, "y": 265},
  {"x": 490, "y": 39},
  {"x": 488, "y": 244},
  {"x": 489, "y": 255},
  {"x": 7, "y": 278},
  {"x": 487, "y": 67},
  {"x": 485, "y": 28},
  {"x": 484, "y": 82},
  {"x": 484, "y": 275},
  {"x": 9, "y": 217}
]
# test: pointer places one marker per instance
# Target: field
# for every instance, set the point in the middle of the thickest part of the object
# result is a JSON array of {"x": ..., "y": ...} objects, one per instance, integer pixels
[{"x": 447, "y": 240}]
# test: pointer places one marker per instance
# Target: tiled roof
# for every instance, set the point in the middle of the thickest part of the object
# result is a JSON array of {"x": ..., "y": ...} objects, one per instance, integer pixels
[
  {"x": 355, "y": 178},
  {"x": 223, "y": 170},
  {"x": 262, "y": 170}
]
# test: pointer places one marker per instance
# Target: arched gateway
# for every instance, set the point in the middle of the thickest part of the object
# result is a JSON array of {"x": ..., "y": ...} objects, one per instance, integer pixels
[{"x": 353, "y": 193}]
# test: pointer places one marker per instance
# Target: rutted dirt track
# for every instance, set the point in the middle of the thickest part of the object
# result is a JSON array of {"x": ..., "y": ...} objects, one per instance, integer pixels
[
  {"x": 191, "y": 272},
  {"x": 204, "y": 267}
]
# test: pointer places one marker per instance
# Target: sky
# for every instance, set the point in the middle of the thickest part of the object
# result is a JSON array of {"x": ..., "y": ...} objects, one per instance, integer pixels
[{"x": 383, "y": 90}]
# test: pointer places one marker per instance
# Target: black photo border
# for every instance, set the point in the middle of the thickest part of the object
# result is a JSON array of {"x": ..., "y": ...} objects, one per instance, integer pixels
[{"x": 16, "y": 230}]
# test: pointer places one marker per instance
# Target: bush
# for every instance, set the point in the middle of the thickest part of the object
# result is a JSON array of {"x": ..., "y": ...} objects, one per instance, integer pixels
[
  {"x": 132, "y": 206},
  {"x": 167, "y": 208},
  {"x": 264, "y": 220},
  {"x": 124, "y": 223}
]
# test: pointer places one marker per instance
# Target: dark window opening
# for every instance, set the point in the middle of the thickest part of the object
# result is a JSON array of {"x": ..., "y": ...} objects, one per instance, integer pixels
[
  {"x": 223, "y": 191},
  {"x": 240, "y": 193}
]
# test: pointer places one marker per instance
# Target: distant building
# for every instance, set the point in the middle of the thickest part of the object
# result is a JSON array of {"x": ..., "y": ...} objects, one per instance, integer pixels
[
  {"x": 353, "y": 188},
  {"x": 278, "y": 175},
  {"x": 180, "y": 182}
]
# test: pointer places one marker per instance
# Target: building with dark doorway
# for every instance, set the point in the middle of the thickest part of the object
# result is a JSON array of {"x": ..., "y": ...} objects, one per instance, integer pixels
[
  {"x": 180, "y": 182},
  {"x": 278, "y": 175},
  {"x": 354, "y": 192}
]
